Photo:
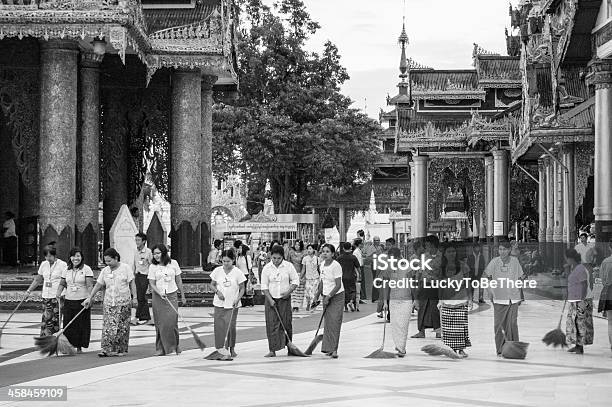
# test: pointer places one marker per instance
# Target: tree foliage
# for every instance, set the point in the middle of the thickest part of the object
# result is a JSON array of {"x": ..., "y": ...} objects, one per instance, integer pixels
[{"x": 290, "y": 122}]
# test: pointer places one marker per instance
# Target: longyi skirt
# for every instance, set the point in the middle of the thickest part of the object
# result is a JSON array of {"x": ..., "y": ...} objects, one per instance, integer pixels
[{"x": 79, "y": 332}]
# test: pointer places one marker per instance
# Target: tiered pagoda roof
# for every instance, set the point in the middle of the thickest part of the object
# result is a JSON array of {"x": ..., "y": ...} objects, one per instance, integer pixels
[{"x": 446, "y": 84}]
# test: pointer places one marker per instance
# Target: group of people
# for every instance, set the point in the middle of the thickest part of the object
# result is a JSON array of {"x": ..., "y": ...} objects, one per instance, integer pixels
[
  {"x": 300, "y": 278},
  {"x": 69, "y": 289}
]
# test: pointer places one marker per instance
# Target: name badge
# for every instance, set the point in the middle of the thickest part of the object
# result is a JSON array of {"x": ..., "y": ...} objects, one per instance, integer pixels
[
  {"x": 167, "y": 278},
  {"x": 73, "y": 288},
  {"x": 227, "y": 284},
  {"x": 111, "y": 275},
  {"x": 141, "y": 262},
  {"x": 48, "y": 284}
]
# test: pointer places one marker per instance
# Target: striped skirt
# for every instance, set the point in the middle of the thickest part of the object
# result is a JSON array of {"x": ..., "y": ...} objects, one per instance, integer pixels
[
  {"x": 400, "y": 319},
  {"x": 297, "y": 296},
  {"x": 455, "y": 326},
  {"x": 579, "y": 326}
]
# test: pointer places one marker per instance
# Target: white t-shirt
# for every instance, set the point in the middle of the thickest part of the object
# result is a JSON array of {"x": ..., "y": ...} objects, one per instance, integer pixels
[
  {"x": 329, "y": 274},
  {"x": 164, "y": 276},
  {"x": 76, "y": 282},
  {"x": 228, "y": 284},
  {"x": 279, "y": 279},
  {"x": 52, "y": 276}
]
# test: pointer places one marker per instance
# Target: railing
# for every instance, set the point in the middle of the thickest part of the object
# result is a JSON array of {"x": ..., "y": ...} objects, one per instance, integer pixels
[{"x": 62, "y": 4}]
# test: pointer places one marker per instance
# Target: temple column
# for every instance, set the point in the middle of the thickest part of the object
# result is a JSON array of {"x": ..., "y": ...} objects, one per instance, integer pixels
[
  {"x": 542, "y": 207},
  {"x": 600, "y": 75},
  {"x": 58, "y": 130},
  {"x": 412, "y": 217},
  {"x": 500, "y": 191},
  {"x": 569, "y": 210},
  {"x": 115, "y": 156},
  {"x": 558, "y": 211},
  {"x": 550, "y": 211},
  {"x": 420, "y": 195},
  {"x": 87, "y": 209},
  {"x": 207, "y": 105},
  {"x": 489, "y": 194},
  {"x": 342, "y": 222},
  {"x": 186, "y": 185}
]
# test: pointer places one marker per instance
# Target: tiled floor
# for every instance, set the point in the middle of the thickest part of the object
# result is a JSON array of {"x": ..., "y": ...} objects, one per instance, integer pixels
[{"x": 548, "y": 377}]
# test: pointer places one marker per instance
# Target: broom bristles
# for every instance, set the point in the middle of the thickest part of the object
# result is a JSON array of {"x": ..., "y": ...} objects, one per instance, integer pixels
[
  {"x": 64, "y": 346},
  {"x": 214, "y": 355},
  {"x": 440, "y": 350},
  {"x": 47, "y": 345},
  {"x": 313, "y": 344},
  {"x": 197, "y": 339},
  {"x": 294, "y": 350},
  {"x": 381, "y": 354},
  {"x": 555, "y": 338}
]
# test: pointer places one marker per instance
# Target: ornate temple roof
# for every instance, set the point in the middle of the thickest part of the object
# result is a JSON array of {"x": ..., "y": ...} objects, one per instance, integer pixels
[
  {"x": 446, "y": 84},
  {"x": 496, "y": 71},
  {"x": 162, "y": 18}
]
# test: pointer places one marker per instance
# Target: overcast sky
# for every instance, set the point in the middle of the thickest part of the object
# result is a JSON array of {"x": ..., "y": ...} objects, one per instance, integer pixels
[{"x": 441, "y": 35}]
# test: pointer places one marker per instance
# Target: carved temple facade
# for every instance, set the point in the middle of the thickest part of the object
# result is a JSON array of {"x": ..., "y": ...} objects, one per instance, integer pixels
[{"x": 95, "y": 93}]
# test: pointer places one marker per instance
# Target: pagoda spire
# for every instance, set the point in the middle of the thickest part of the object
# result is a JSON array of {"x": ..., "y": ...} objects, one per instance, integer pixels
[
  {"x": 404, "y": 65},
  {"x": 372, "y": 209}
]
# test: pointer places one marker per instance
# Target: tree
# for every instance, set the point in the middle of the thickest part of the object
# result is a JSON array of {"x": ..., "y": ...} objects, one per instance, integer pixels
[{"x": 291, "y": 124}]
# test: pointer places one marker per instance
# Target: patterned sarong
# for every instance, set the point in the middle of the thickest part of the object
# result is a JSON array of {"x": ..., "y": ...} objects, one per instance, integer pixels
[
  {"x": 50, "y": 317},
  {"x": 116, "y": 328},
  {"x": 579, "y": 326},
  {"x": 455, "y": 326}
]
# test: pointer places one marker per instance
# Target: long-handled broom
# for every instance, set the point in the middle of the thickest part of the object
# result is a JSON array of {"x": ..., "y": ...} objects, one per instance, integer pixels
[
  {"x": 293, "y": 350},
  {"x": 317, "y": 338},
  {"x": 11, "y": 316},
  {"x": 196, "y": 338},
  {"x": 380, "y": 353},
  {"x": 58, "y": 343},
  {"x": 556, "y": 337}
]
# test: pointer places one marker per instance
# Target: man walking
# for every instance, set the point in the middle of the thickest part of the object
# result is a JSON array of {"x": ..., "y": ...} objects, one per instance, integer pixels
[
  {"x": 350, "y": 269},
  {"x": 142, "y": 261},
  {"x": 476, "y": 262}
]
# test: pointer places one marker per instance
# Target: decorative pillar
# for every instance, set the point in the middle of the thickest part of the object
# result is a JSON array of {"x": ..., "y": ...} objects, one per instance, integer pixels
[
  {"x": 500, "y": 192},
  {"x": 600, "y": 75},
  {"x": 420, "y": 195},
  {"x": 542, "y": 208},
  {"x": 569, "y": 210},
  {"x": 550, "y": 211},
  {"x": 412, "y": 196},
  {"x": 58, "y": 129},
  {"x": 89, "y": 177},
  {"x": 115, "y": 157},
  {"x": 207, "y": 141},
  {"x": 342, "y": 222},
  {"x": 489, "y": 194},
  {"x": 186, "y": 184},
  {"x": 558, "y": 212}
]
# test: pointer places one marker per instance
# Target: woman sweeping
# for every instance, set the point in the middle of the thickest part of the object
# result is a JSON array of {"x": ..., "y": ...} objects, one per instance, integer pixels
[
  {"x": 400, "y": 302},
  {"x": 117, "y": 280},
  {"x": 333, "y": 300},
  {"x": 295, "y": 257},
  {"x": 50, "y": 275},
  {"x": 78, "y": 280},
  {"x": 310, "y": 268},
  {"x": 228, "y": 283},
  {"x": 164, "y": 282},
  {"x": 454, "y": 303},
  {"x": 579, "y": 328}
]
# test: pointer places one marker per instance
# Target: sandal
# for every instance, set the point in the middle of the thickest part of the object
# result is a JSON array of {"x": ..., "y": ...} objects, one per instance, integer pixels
[{"x": 102, "y": 354}]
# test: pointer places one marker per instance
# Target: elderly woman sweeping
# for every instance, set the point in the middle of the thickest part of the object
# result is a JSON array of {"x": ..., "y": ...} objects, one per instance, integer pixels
[
  {"x": 117, "y": 280},
  {"x": 50, "y": 275},
  {"x": 78, "y": 281},
  {"x": 164, "y": 282},
  {"x": 579, "y": 328},
  {"x": 228, "y": 281},
  {"x": 454, "y": 302},
  {"x": 333, "y": 300},
  {"x": 278, "y": 280}
]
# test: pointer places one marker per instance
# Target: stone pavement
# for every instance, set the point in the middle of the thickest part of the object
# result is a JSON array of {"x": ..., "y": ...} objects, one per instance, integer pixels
[{"x": 547, "y": 377}]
